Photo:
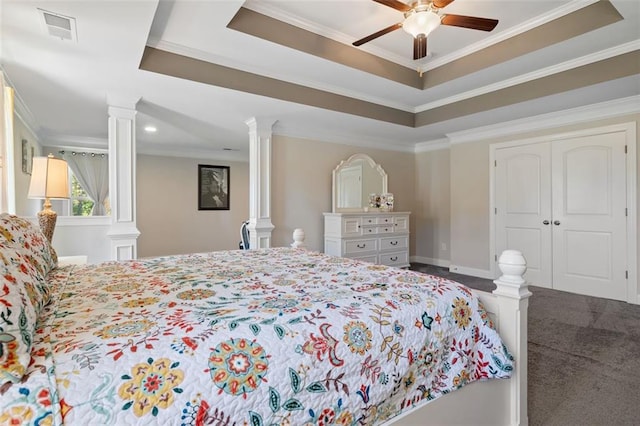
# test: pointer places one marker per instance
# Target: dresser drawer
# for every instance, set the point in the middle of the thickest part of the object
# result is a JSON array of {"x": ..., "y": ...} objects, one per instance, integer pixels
[
  {"x": 400, "y": 259},
  {"x": 360, "y": 246},
  {"x": 386, "y": 229},
  {"x": 369, "y": 230},
  {"x": 394, "y": 243},
  {"x": 385, "y": 220},
  {"x": 368, "y": 220}
]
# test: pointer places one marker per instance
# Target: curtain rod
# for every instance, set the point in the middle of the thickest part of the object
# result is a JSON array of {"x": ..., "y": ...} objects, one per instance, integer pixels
[{"x": 93, "y": 154}]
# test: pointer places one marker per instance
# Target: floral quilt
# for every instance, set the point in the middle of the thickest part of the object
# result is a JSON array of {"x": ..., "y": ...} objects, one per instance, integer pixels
[{"x": 260, "y": 337}]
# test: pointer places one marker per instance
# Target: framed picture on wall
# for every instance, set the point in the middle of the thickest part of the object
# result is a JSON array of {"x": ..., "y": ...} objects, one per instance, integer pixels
[
  {"x": 27, "y": 156},
  {"x": 213, "y": 187}
]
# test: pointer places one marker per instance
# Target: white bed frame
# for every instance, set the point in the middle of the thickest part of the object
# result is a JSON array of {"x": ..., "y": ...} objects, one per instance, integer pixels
[{"x": 492, "y": 402}]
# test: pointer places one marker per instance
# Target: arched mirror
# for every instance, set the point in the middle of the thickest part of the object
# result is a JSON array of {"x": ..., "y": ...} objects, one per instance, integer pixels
[{"x": 354, "y": 179}]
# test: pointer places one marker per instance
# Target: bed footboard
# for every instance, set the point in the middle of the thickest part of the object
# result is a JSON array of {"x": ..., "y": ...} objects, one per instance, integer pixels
[{"x": 493, "y": 402}]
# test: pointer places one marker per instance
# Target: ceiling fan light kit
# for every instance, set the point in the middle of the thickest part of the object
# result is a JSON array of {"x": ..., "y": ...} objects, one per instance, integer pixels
[
  {"x": 421, "y": 22},
  {"x": 421, "y": 17}
]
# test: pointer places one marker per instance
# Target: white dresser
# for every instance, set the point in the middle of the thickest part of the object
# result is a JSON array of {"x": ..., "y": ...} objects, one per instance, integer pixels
[{"x": 380, "y": 237}]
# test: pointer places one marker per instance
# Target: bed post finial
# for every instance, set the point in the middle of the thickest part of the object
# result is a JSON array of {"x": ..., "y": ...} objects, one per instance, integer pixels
[
  {"x": 298, "y": 238},
  {"x": 513, "y": 298}
]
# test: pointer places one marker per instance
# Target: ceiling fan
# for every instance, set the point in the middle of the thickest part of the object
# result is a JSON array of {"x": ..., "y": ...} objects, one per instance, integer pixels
[{"x": 421, "y": 17}]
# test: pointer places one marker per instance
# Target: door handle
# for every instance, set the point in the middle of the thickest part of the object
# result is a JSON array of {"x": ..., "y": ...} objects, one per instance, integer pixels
[
  {"x": 556, "y": 222},
  {"x": 545, "y": 222}
]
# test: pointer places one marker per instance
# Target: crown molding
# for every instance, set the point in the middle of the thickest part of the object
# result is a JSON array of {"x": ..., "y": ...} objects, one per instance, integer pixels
[
  {"x": 335, "y": 138},
  {"x": 535, "y": 75},
  {"x": 100, "y": 145},
  {"x": 434, "y": 145},
  {"x": 20, "y": 108},
  {"x": 201, "y": 154},
  {"x": 589, "y": 113},
  {"x": 74, "y": 141}
]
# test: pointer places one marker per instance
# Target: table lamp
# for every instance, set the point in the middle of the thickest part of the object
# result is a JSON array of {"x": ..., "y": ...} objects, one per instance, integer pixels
[{"x": 49, "y": 180}]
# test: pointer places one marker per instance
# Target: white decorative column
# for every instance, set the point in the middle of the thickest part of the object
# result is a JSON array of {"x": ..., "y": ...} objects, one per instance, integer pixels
[
  {"x": 260, "y": 225},
  {"x": 122, "y": 178}
]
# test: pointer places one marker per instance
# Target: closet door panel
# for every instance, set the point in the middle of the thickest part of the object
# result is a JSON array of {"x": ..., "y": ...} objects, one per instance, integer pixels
[
  {"x": 589, "y": 200},
  {"x": 523, "y": 206}
]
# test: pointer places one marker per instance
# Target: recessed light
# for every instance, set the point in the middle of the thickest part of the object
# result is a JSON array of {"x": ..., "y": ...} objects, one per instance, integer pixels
[{"x": 150, "y": 129}]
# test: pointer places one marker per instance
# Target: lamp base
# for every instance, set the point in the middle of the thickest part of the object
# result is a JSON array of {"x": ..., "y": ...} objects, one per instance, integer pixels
[{"x": 47, "y": 220}]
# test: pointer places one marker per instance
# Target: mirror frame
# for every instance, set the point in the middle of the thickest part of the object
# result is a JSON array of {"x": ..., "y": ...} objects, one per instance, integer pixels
[{"x": 347, "y": 163}]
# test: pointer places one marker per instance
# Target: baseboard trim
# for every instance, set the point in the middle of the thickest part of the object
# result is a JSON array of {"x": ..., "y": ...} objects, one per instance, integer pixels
[
  {"x": 480, "y": 273},
  {"x": 429, "y": 261}
]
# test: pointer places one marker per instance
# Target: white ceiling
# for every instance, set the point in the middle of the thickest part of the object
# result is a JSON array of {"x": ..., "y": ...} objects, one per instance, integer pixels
[{"x": 65, "y": 84}]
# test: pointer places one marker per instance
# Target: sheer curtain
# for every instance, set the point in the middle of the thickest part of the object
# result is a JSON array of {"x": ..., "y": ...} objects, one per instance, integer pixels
[{"x": 92, "y": 171}]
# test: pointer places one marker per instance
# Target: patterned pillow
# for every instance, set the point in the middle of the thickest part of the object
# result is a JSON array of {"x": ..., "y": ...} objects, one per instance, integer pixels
[
  {"x": 18, "y": 299},
  {"x": 25, "y": 236}
]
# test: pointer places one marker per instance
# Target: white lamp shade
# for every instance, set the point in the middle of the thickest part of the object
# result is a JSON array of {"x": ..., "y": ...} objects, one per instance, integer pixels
[
  {"x": 49, "y": 178},
  {"x": 421, "y": 23}
]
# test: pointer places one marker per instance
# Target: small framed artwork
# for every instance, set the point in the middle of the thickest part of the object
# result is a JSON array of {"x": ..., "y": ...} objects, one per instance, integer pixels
[
  {"x": 27, "y": 156},
  {"x": 213, "y": 187}
]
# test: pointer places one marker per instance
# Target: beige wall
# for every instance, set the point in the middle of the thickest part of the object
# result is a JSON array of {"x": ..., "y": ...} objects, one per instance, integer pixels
[
  {"x": 167, "y": 207},
  {"x": 432, "y": 207},
  {"x": 470, "y": 193},
  {"x": 301, "y": 184}
]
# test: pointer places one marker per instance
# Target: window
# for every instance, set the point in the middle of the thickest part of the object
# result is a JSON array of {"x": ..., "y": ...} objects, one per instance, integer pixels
[{"x": 80, "y": 204}]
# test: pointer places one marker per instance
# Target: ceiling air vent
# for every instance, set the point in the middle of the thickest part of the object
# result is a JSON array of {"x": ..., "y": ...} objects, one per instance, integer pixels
[{"x": 59, "y": 26}]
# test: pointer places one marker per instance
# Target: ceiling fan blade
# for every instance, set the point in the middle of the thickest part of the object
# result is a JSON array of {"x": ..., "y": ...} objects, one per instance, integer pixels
[
  {"x": 442, "y": 3},
  {"x": 395, "y": 4},
  {"x": 378, "y": 34},
  {"x": 472, "y": 22},
  {"x": 419, "y": 47}
]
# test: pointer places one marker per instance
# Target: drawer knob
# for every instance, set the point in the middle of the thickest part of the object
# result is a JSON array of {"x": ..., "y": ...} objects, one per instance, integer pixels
[
  {"x": 393, "y": 243},
  {"x": 361, "y": 246},
  {"x": 394, "y": 258}
]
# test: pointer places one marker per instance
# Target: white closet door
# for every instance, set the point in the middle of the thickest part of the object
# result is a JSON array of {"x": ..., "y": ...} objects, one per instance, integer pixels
[
  {"x": 523, "y": 203},
  {"x": 589, "y": 200}
]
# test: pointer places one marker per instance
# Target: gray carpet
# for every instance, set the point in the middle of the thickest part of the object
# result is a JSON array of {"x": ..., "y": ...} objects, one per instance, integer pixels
[{"x": 584, "y": 356}]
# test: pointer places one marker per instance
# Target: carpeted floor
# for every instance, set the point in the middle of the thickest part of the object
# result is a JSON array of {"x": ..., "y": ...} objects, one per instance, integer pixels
[{"x": 584, "y": 356}]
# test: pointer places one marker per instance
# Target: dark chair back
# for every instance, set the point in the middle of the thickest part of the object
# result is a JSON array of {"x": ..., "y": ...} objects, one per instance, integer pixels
[{"x": 244, "y": 236}]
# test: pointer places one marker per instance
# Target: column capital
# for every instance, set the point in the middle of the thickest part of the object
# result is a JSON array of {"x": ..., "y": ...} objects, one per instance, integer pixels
[
  {"x": 260, "y": 125},
  {"x": 122, "y": 100}
]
